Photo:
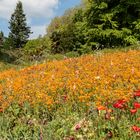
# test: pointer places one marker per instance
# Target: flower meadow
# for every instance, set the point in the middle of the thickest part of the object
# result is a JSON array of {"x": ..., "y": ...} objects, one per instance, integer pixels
[{"x": 85, "y": 98}]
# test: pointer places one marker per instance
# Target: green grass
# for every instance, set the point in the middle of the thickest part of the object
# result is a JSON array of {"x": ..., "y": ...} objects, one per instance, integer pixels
[{"x": 28, "y": 123}]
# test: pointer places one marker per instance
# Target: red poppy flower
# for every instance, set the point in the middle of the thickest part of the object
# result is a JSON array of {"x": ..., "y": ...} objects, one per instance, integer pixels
[
  {"x": 121, "y": 101},
  {"x": 119, "y": 104},
  {"x": 133, "y": 111},
  {"x": 137, "y": 93},
  {"x": 136, "y": 105},
  {"x": 136, "y": 128}
]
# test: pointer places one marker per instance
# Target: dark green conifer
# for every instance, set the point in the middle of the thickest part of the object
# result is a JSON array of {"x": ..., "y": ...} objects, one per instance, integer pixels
[
  {"x": 19, "y": 31},
  {"x": 1, "y": 38}
]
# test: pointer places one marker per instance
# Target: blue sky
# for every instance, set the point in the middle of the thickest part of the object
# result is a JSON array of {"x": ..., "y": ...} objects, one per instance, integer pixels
[{"x": 39, "y": 13}]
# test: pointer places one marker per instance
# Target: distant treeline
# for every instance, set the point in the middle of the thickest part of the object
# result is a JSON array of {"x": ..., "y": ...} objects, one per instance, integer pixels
[{"x": 94, "y": 24}]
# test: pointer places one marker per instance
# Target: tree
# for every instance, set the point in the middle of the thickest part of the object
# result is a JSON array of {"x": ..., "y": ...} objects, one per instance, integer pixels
[
  {"x": 19, "y": 31},
  {"x": 1, "y": 38},
  {"x": 113, "y": 22},
  {"x": 54, "y": 25},
  {"x": 64, "y": 31}
]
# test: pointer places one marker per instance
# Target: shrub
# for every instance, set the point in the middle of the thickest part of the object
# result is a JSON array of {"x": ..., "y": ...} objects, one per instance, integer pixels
[{"x": 37, "y": 47}]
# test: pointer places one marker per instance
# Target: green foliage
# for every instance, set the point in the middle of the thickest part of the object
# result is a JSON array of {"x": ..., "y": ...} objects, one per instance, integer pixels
[
  {"x": 67, "y": 31},
  {"x": 37, "y": 46},
  {"x": 19, "y": 31},
  {"x": 33, "y": 123},
  {"x": 36, "y": 50},
  {"x": 54, "y": 25},
  {"x": 93, "y": 25},
  {"x": 1, "y": 38},
  {"x": 113, "y": 23},
  {"x": 72, "y": 54},
  {"x": 8, "y": 43},
  {"x": 96, "y": 24}
]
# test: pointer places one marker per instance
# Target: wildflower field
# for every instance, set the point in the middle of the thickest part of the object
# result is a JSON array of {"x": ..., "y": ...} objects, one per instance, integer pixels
[{"x": 85, "y": 98}]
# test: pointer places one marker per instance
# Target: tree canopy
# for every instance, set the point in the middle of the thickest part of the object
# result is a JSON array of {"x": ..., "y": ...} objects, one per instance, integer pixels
[
  {"x": 19, "y": 31},
  {"x": 97, "y": 24}
]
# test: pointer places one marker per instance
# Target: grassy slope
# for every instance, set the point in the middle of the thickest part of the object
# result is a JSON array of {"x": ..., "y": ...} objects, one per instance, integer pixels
[{"x": 8, "y": 58}]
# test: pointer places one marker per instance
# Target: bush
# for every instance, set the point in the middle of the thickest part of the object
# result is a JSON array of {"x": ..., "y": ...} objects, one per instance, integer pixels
[
  {"x": 72, "y": 54},
  {"x": 37, "y": 46}
]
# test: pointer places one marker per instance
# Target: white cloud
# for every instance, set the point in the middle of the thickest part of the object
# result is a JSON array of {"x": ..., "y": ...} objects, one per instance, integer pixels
[
  {"x": 38, "y": 30},
  {"x": 33, "y": 8}
]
